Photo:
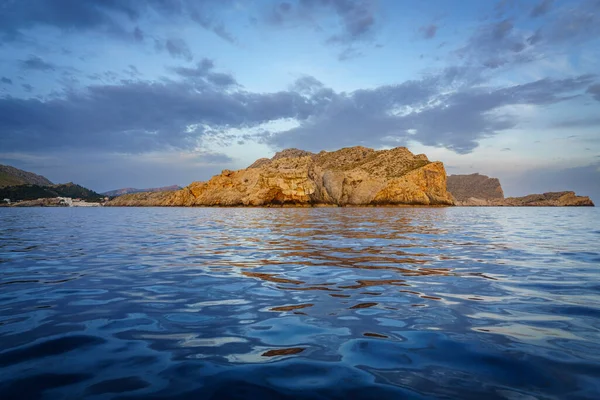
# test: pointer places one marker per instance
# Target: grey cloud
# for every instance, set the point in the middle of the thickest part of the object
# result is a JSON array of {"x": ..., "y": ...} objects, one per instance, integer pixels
[
  {"x": 6, "y": 80},
  {"x": 496, "y": 44},
  {"x": 132, "y": 71},
  {"x": 114, "y": 17},
  {"x": 506, "y": 149},
  {"x": 178, "y": 48},
  {"x": 579, "y": 123},
  {"x": 138, "y": 34},
  {"x": 36, "y": 63},
  {"x": 450, "y": 109},
  {"x": 213, "y": 158},
  {"x": 574, "y": 23},
  {"x": 27, "y": 87},
  {"x": 203, "y": 71},
  {"x": 307, "y": 84},
  {"x": 389, "y": 113},
  {"x": 499, "y": 43},
  {"x": 138, "y": 116},
  {"x": 594, "y": 90},
  {"x": 357, "y": 17},
  {"x": 349, "y": 53},
  {"x": 428, "y": 31},
  {"x": 542, "y": 8}
]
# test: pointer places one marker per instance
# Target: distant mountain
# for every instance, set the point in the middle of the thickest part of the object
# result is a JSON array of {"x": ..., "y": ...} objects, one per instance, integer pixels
[
  {"x": 120, "y": 192},
  {"x": 32, "y": 192},
  {"x": 11, "y": 176}
]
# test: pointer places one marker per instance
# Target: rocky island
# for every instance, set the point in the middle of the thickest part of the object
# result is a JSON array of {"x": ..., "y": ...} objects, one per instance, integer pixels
[
  {"x": 354, "y": 176},
  {"x": 481, "y": 190}
]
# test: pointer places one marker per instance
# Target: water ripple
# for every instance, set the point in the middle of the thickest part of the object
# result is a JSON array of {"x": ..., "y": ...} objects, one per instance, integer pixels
[{"x": 300, "y": 303}]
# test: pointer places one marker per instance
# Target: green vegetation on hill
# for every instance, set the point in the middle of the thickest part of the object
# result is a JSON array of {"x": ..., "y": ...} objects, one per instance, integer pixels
[
  {"x": 11, "y": 176},
  {"x": 32, "y": 192}
]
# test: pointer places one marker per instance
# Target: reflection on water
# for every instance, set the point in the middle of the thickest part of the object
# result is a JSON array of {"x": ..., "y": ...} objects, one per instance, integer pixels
[{"x": 300, "y": 303}]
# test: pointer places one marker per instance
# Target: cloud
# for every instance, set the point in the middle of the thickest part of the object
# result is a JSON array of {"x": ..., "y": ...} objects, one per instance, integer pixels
[
  {"x": 495, "y": 44},
  {"x": 118, "y": 18},
  {"x": 349, "y": 53},
  {"x": 570, "y": 24},
  {"x": 542, "y": 8},
  {"x": 428, "y": 31},
  {"x": 178, "y": 48},
  {"x": 203, "y": 71},
  {"x": 356, "y": 18},
  {"x": 579, "y": 123},
  {"x": 594, "y": 90},
  {"x": 27, "y": 87},
  {"x": 451, "y": 108},
  {"x": 6, "y": 80},
  {"x": 502, "y": 42},
  {"x": 506, "y": 149},
  {"x": 36, "y": 63},
  {"x": 422, "y": 111},
  {"x": 139, "y": 116},
  {"x": 138, "y": 34}
]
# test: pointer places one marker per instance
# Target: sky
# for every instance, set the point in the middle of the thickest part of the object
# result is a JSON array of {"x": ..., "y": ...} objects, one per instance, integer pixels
[{"x": 133, "y": 93}]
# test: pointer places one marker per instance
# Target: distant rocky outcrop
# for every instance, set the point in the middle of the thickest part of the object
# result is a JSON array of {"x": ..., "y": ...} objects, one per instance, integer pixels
[
  {"x": 481, "y": 190},
  {"x": 474, "y": 188},
  {"x": 552, "y": 199},
  {"x": 350, "y": 176},
  {"x": 120, "y": 192},
  {"x": 11, "y": 176}
]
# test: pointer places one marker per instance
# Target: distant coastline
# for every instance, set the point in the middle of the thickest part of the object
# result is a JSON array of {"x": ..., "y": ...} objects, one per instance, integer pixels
[{"x": 349, "y": 177}]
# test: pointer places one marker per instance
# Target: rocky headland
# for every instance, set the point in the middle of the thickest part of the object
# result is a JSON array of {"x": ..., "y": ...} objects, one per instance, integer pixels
[
  {"x": 354, "y": 176},
  {"x": 481, "y": 190}
]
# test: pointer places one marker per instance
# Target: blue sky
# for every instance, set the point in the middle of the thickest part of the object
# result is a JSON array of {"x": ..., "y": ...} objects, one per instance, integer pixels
[{"x": 128, "y": 93}]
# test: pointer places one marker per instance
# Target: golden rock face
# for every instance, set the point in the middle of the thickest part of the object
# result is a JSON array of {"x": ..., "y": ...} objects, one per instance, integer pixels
[{"x": 350, "y": 176}]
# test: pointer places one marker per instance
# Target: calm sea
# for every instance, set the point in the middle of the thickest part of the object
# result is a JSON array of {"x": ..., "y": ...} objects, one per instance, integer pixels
[{"x": 345, "y": 303}]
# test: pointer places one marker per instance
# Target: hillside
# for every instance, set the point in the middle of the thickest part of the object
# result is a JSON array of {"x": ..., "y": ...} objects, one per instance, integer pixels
[
  {"x": 32, "y": 192},
  {"x": 349, "y": 176},
  {"x": 11, "y": 176}
]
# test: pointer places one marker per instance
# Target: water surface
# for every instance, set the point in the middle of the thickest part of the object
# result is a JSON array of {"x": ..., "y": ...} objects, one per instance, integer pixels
[{"x": 382, "y": 303}]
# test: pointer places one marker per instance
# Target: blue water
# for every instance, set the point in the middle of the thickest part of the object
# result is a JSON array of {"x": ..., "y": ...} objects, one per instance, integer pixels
[{"x": 347, "y": 303}]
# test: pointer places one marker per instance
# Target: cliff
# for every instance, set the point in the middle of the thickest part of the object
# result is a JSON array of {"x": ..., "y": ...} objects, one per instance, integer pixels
[
  {"x": 350, "y": 176},
  {"x": 11, "y": 176},
  {"x": 474, "y": 189},
  {"x": 481, "y": 190}
]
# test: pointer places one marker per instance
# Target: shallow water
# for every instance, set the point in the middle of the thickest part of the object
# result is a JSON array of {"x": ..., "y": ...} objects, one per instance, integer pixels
[{"x": 301, "y": 303}]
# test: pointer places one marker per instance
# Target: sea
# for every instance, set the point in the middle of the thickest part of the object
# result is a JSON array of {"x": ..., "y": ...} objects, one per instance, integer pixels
[{"x": 300, "y": 303}]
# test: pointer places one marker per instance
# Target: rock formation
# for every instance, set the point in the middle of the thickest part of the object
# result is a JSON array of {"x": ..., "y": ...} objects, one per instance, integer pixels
[
  {"x": 475, "y": 189},
  {"x": 480, "y": 190},
  {"x": 350, "y": 176},
  {"x": 552, "y": 199}
]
